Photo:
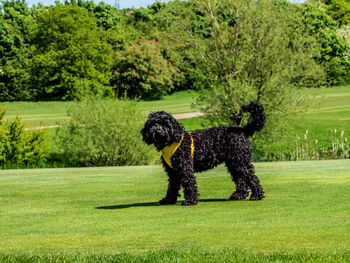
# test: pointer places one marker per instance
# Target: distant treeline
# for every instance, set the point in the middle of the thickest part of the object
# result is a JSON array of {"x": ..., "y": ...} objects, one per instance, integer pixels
[{"x": 62, "y": 51}]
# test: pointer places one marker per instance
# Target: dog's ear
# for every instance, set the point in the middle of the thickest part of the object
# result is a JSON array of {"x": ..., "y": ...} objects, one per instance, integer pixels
[
  {"x": 176, "y": 129},
  {"x": 145, "y": 134}
]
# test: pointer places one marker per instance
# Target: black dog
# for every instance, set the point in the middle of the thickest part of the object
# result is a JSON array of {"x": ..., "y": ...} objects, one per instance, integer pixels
[{"x": 185, "y": 153}]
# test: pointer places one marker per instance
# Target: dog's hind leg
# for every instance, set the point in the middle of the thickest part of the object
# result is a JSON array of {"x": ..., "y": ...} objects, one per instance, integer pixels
[
  {"x": 239, "y": 176},
  {"x": 254, "y": 185},
  {"x": 244, "y": 177}
]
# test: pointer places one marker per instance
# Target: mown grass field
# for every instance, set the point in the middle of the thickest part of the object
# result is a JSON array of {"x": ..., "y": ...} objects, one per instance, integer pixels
[{"x": 112, "y": 214}]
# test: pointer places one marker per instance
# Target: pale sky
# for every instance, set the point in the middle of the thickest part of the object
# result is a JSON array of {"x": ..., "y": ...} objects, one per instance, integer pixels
[{"x": 122, "y": 3}]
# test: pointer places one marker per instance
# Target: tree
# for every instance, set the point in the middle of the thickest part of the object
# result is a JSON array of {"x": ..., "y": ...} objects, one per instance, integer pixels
[
  {"x": 333, "y": 53},
  {"x": 14, "y": 50},
  {"x": 68, "y": 48},
  {"x": 106, "y": 15},
  {"x": 252, "y": 54},
  {"x": 165, "y": 17},
  {"x": 143, "y": 71}
]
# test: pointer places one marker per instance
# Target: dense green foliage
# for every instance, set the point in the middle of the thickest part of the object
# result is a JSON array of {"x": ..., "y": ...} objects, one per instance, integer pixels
[
  {"x": 14, "y": 51},
  {"x": 103, "y": 133},
  {"x": 54, "y": 52},
  {"x": 339, "y": 10},
  {"x": 333, "y": 54},
  {"x": 68, "y": 50},
  {"x": 20, "y": 147},
  {"x": 142, "y": 71}
]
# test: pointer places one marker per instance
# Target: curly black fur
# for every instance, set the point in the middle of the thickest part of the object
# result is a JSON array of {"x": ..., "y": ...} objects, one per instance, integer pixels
[{"x": 213, "y": 146}]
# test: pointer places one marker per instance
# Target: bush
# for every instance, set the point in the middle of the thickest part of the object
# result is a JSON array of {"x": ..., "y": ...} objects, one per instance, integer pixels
[
  {"x": 339, "y": 10},
  {"x": 2, "y": 113},
  {"x": 103, "y": 133},
  {"x": 19, "y": 147}
]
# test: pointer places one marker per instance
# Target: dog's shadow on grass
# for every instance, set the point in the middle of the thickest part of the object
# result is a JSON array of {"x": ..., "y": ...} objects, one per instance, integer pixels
[{"x": 123, "y": 206}]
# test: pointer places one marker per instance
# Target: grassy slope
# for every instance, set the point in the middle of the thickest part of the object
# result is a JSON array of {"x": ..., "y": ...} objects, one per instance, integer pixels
[
  {"x": 37, "y": 113},
  {"x": 332, "y": 112},
  {"x": 112, "y": 210},
  {"x": 178, "y": 102},
  {"x": 48, "y": 113}
]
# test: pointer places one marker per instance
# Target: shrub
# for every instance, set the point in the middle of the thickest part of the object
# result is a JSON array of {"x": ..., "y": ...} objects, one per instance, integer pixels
[
  {"x": 339, "y": 10},
  {"x": 2, "y": 113},
  {"x": 19, "y": 147},
  {"x": 103, "y": 132}
]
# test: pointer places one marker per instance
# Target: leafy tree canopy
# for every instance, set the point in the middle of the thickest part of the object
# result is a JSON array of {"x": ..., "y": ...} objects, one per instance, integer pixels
[
  {"x": 68, "y": 47},
  {"x": 15, "y": 19},
  {"x": 333, "y": 56},
  {"x": 143, "y": 71}
]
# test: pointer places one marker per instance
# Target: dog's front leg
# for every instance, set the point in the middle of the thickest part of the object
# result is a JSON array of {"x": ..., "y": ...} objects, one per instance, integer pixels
[
  {"x": 173, "y": 188},
  {"x": 190, "y": 187}
]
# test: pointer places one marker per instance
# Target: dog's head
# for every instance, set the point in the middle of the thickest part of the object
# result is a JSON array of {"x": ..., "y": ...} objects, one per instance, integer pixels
[{"x": 161, "y": 129}]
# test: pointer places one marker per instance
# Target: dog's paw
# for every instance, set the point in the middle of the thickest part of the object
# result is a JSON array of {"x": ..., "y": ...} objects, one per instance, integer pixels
[
  {"x": 256, "y": 198},
  {"x": 238, "y": 196},
  {"x": 189, "y": 202},
  {"x": 166, "y": 201}
]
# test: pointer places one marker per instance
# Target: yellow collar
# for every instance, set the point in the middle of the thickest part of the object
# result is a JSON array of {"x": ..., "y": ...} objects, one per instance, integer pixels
[{"x": 168, "y": 151}]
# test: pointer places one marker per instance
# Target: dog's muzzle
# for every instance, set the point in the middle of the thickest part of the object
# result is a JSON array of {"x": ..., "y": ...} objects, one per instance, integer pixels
[{"x": 158, "y": 136}]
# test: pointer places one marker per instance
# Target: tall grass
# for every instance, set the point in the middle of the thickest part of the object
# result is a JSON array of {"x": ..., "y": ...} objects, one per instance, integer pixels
[{"x": 307, "y": 147}]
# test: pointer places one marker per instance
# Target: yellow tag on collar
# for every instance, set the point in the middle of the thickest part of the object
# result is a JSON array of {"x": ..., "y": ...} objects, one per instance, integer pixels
[{"x": 168, "y": 151}]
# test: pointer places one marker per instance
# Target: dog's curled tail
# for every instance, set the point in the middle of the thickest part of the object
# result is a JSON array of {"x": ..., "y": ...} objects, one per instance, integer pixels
[{"x": 257, "y": 120}]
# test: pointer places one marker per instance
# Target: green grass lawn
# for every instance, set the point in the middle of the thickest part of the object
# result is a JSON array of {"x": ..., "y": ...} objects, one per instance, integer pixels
[{"x": 74, "y": 214}]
